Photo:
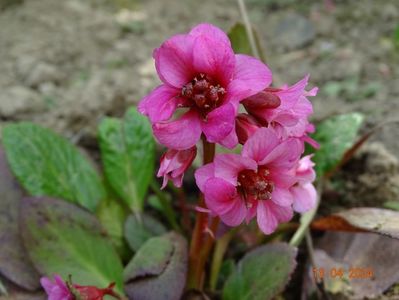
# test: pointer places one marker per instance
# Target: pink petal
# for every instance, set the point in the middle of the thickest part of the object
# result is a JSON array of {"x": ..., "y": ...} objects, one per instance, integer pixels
[
  {"x": 252, "y": 72},
  {"x": 230, "y": 141},
  {"x": 202, "y": 175},
  {"x": 180, "y": 134},
  {"x": 282, "y": 197},
  {"x": 236, "y": 215},
  {"x": 227, "y": 166},
  {"x": 220, "y": 195},
  {"x": 160, "y": 104},
  {"x": 291, "y": 95},
  {"x": 260, "y": 144},
  {"x": 305, "y": 197},
  {"x": 219, "y": 123},
  {"x": 214, "y": 58},
  {"x": 283, "y": 213},
  {"x": 283, "y": 178},
  {"x": 173, "y": 60},
  {"x": 284, "y": 155},
  {"x": 47, "y": 284},
  {"x": 210, "y": 31},
  {"x": 267, "y": 221}
]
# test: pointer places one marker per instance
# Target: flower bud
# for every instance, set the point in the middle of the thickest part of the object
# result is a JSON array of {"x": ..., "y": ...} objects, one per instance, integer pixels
[
  {"x": 246, "y": 125},
  {"x": 174, "y": 163}
]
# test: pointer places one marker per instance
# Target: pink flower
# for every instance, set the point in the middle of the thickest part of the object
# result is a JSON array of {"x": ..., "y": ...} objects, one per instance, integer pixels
[
  {"x": 257, "y": 182},
  {"x": 201, "y": 73},
  {"x": 57, "y": 289},
  {"x": 303, "y": 191},
  {"x": 174, "y": 163},
  {"x": 287, "y": 109}
]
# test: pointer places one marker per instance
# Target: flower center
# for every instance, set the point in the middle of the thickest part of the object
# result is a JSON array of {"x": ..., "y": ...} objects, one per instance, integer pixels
[
  {"x": 204, "y": 93},
  {"x": 256, "y": 184}
]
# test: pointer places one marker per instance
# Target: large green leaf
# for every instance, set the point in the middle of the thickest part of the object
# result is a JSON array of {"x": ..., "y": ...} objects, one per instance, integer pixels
[
  {"x": 262, "y": 273},
  {"x": 14, "y": 263},
  {"x": 335, "y": 136},
  {"x": 158, "y": 270},
  {"x": 128, "y": 154},
  {"x": 62, "y": 238},
  {"x": 112, "y": 216},
  {"x": 46, "y": 164},
  {"x": 141, "y": 227}
]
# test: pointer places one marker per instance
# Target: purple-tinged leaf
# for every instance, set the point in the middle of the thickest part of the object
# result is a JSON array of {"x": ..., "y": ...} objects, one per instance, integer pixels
[
  {"x": 158, "y": 270},
  {"x": 14, "y": 262}
]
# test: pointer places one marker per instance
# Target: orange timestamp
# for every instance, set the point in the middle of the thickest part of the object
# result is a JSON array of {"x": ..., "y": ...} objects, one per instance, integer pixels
[{"x": 339, "y": 272}]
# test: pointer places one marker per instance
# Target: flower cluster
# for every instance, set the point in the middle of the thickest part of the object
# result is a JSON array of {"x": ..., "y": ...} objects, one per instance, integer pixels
[
  {"x": 204, "y": 92},
  {"x": 58, "y": 289}
]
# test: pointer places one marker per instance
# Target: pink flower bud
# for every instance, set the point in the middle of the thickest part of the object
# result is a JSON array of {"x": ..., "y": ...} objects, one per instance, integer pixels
[
  {"x": 174, "y": 163},
  {"x": 246, "y": 125}
]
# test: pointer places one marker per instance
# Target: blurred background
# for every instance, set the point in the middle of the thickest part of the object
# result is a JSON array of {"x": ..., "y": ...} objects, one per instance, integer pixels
[{"x": 66, "y": 64}]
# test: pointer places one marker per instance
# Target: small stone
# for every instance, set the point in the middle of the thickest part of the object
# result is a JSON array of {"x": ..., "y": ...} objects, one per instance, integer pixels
[
  {"x": 294, "y": 31},
  {"x": 41, "y": 73}
]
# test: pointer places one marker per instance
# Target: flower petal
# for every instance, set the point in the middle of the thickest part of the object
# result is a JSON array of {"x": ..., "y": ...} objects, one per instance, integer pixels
[
  {"x": 284, "y": 155},
  {"x": 227, "y": 166},
  {"x": 236, "y": 215},
  {"x": 252, "y": 72},
  {"x": 173, "y": 60},
  {"x": 160, "y": 104},
  {"x": 230, "y": 141},
  {"x": 220, "y": 195},
  {"x": 282, "y": 197},
  {"x": 180, "y": 134},
  {"x": 203, "y": 174},
  {"x": 260, "y": 144},
  {"x": 267, "y": 221},
  {"x": 289, "y": 96},
  {"x": 305, "y": 197},
  {"x": 214, "y": 58},
  {"x": 210, "y": 31},
  {"x": 219, "y": 123}
]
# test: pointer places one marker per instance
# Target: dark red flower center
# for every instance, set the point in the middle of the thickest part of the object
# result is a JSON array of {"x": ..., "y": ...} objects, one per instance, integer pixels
[
  {"x": 204, "y": 93},
  {"x": 256, "y": 184}
]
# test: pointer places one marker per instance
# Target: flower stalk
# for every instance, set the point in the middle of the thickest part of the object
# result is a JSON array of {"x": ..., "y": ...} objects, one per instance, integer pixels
[{"x": 198, "y": 253}]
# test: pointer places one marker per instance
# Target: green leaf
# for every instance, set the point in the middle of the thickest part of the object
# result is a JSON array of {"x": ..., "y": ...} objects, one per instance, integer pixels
[
  {"x": 240, "y": 41},
  {"x": 128, "y": 155},
  {"x": 62, "y": 238},
  {"x": 158, "y": 270},
  {"x": 141, "y": 227},
  {"x": 335, "y": 135},
  {"x": 262, "y": 273},
  {"x": 392, "y": 205},
  {"x": 112, "y": 216},
  {"x": 46, "y": 164},
  {"x": 14, "y": 263}
]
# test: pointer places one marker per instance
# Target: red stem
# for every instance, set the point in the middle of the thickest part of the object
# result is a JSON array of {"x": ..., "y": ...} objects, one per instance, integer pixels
[{"x": 201, "y": 242}]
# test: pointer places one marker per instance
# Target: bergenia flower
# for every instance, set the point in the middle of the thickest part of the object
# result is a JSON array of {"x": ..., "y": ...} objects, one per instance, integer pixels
[
  {"x": 303, "y": 191},
  {"x": 287, "y": 109},
  {"x": 174, "y": 163},
  {"x": 58, "y": 289},
  {"x": 201, "y": 74},
  {"x": 257, "y": 182}
]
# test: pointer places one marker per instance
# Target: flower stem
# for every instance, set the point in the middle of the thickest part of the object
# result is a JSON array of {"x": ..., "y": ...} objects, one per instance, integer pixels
[
  {"x": 248, "y": 28},
  {"x": 218, "y": 254},
  {"x": 199, "y": 244}
]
